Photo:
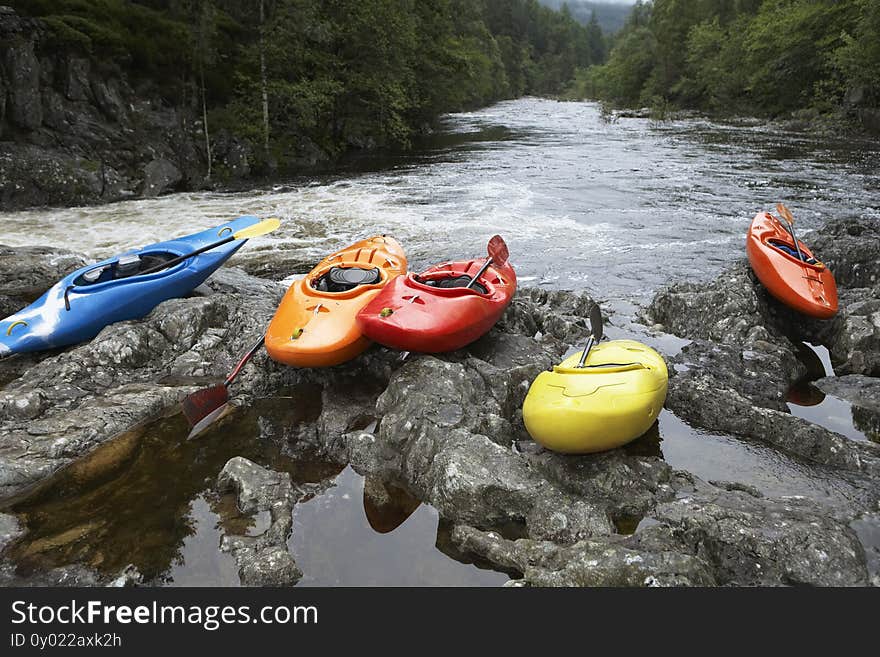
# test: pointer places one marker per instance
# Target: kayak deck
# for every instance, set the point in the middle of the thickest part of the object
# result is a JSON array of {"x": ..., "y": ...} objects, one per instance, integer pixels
[
  {"x": 315, "y": 323},
  {"x": 611, "y": 401},
  {"x": 434, "y": 312}
]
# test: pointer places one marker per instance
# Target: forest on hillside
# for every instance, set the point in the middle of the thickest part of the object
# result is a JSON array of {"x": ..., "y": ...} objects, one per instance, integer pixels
[
  {"x": 333, "y": 74},
  {"x": 754, "y": 57},
  {"x": 611, "y": 16}
]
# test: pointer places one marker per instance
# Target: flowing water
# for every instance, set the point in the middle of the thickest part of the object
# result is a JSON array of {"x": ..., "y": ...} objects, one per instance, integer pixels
[{"x": 616, "y": 208}]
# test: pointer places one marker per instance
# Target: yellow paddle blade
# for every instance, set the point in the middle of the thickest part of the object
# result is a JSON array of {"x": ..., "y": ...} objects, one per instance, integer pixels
[
  {"x": 265, "y": 226},
  {"x": 785, "y": 213}
]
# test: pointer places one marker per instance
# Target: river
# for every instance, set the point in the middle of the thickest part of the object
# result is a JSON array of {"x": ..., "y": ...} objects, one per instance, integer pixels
[{"x": 615, "y": 207}]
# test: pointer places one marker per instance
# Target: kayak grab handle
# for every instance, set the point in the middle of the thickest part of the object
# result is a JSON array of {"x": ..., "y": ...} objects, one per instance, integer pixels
[
  {"x": 66, "y": 299},
  {"x": 14, "y": 324}
]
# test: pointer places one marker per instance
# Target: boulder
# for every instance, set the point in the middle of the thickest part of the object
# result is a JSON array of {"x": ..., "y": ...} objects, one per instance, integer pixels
[
  {"x": 23, "y": 70},
  {"x": 27, "y": 272},
  {"x": 160, "y": 176},
  {"x": 70, "y": 402},
  {"x": 855, "y": 346},
  {"x": 707, "y": 536}
]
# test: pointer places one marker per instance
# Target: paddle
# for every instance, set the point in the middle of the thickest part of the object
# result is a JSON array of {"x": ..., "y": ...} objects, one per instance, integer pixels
[
  {"x": 265, "y": 226},
  {"x": 201, "y": 408},
  {"x": 498, "y": 254},
  {"x": 595, "y": 333},
  {"x": 785, "y": 213}
]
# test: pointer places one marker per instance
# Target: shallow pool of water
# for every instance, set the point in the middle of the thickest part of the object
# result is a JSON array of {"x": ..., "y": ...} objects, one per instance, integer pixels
[
  {"x": 148, "y": 499},
  {"x": 719, "y": 457},
  {"x": 806, "y": 401}
]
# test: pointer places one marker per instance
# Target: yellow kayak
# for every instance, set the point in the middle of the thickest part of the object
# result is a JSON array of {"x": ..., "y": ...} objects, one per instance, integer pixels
[{"x": 612, "y": 400}]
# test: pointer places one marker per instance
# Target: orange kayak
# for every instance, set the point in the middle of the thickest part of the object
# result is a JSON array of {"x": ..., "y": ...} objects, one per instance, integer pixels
[
  {"x": 315, "y": 325},
  {"x": 807, "y": 287}
]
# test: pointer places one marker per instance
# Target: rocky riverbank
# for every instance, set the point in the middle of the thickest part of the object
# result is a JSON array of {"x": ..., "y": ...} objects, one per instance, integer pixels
[
  {"x": 73, "y": 131},
  {"x": 448, "y": 430}
]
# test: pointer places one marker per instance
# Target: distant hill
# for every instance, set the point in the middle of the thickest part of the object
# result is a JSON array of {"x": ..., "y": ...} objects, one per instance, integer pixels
[{"x": 611, "y": 16}]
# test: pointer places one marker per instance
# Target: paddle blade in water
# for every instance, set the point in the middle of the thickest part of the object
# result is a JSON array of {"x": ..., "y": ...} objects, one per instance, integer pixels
[
  {"x": 498, "y": 251},
  {"x": 207, "y": 421},
  {"x": 201, "y": 404},
  {"x": 265, "y": 226},
  {"x": 596, "y": 322}
]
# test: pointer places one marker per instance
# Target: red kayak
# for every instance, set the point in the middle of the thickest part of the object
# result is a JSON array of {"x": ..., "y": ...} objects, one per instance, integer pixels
[
  {"x": 434, "y": 311},
  {"x": 804, "y": 285}
]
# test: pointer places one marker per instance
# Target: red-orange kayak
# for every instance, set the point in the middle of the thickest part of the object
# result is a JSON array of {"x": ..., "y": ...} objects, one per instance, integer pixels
[
  {"x": 433, "y": 312},
  {"x": 807, "y": 287}
]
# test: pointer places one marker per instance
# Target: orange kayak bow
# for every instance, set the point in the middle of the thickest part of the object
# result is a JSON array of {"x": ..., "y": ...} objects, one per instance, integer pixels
[{"x": 315, "y": 325}]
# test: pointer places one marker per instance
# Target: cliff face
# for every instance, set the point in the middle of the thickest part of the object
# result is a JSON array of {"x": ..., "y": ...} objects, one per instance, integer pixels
[{"x": 73, "y": 131}]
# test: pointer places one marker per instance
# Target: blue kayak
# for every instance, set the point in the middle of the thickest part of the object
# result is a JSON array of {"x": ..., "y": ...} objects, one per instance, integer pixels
[{"x": 78, "y": 306}]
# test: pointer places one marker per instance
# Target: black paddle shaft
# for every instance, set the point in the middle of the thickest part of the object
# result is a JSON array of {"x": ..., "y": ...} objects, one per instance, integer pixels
[
  {"x": 186, "y": 256},
  {"x": 480, "y": 272},
  {"x": 595, "y": 333},
  {"x": 796, "y": 245}
]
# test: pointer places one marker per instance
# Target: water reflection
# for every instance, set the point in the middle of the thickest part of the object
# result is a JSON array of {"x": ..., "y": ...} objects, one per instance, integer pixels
[
  {"x": 808, "y": 402},
  {"x": 804, "y": 393},
  {"x": 136, "y": 499},
  {"x": 336, "y": 543},
  {"x": 648, "y": 444},
  {"x": 386, "y": 506},
  {"x": 868, "y": 422},
  {"x": 147, "y": 498}
]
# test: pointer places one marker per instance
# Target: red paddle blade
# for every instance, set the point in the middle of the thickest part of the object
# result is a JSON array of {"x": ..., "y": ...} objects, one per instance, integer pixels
[
  {"x": 201, "y": 404},
  {"x": 497, "y": 249}
]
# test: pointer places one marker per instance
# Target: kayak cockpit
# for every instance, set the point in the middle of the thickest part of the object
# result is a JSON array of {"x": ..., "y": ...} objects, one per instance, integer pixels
[
  {"x": 788, "y": 249},
  {"x": 125, "y": 266},
  {"x": 345, "y": 279},
  {"x": 450, "y": 280}
]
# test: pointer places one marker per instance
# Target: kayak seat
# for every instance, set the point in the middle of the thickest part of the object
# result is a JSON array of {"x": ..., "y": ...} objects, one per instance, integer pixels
[
  {"x": 125, "y": 266},
  {"x": 343, "y": 279},
  {"x": 785, "y": 248},
  {"x": 150, "y": 260},
  {"x": 453, "y": 281}
]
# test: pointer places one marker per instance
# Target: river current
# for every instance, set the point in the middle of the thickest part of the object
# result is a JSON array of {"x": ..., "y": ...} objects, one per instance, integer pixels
[{"x": 615, "y": 207}]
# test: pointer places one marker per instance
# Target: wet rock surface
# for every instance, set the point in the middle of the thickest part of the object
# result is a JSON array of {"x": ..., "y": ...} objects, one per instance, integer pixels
[
  {"x": 27, "y": 272},
  {"x": 863, "y": 394},
  {"x": 263, "y": 559},
  {"x": 68, "y": 403},
  {"x": 706, "y": 536},
  {"x": 746, "y": 350},
  {"x": 447, "y": 429}
]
